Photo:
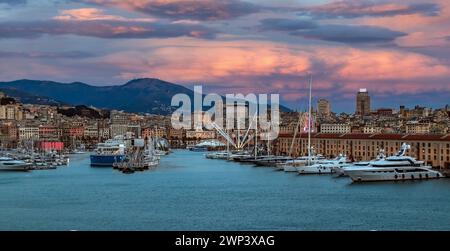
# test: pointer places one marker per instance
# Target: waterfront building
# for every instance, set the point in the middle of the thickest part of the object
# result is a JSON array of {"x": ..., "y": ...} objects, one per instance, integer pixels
[
  {"x": 335, "y": 128},
  {"x": 363, "y": 103},
  {"x": 75, "y": 132},
  {"x": 118, "y": 129},
  {"x": 371, "y": 129},
  {"x": 11, "y": 112},
  {"x": 49, "y": 132},
  {"x": 154, "y": 132},
  {"x": 28, "y": 133},
  {"x": 177, "y": 133},
  {"x": 91, "y": 131},
  {"x": 119, "y": 117},
  {"x": 104, "y": 133},
  {"x": 417, "y": 113},
  {"x": 289, "y": 128},
  {"x": 8, "y": 134},
  {"x": 200, "y": 134},
  {"x": 415, "y": 127}
]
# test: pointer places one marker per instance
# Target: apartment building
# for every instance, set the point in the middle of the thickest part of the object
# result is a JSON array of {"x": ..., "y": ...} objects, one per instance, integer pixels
[{"x": 335, "y": 128}]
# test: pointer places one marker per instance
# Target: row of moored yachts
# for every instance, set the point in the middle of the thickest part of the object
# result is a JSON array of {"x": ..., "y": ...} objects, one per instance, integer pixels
[
  {"x": 394, "y": 168},
  {"x": 34, "y": 161}
]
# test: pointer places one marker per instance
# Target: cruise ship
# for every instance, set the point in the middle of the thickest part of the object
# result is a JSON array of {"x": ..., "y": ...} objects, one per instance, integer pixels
[
  {"x": 394, "y": 168},
  {"x": 9, "y": 164},
  {"x": 109, "y": 152}
]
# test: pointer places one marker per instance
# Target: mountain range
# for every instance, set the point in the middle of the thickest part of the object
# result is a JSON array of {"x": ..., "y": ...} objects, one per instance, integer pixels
[{"x": 146, "y": 95}]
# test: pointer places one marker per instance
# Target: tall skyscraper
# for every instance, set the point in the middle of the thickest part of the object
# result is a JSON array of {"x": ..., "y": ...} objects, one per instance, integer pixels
[
  {"x": 363, "y": 103},
  {"x": 323, "y": 108}
]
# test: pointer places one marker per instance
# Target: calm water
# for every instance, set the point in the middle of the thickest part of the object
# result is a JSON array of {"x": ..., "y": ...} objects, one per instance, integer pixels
[{"x": 189, "y": 192}]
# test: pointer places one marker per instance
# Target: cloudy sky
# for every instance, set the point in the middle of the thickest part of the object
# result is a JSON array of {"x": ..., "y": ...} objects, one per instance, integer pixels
[{"x": 399, "y": 50}]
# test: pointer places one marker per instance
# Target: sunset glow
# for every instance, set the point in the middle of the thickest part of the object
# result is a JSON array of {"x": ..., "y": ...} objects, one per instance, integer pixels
[{"x": 398, "y": 49}]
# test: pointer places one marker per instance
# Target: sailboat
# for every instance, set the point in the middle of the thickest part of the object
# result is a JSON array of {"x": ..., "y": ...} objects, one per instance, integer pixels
[
  {"x": 269, "y": 160},
  {"x": 312, "y": 158},
  {"x": 314, "y": 166}
]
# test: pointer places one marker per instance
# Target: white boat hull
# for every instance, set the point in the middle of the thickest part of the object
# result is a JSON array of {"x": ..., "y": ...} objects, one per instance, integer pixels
[
  {"x": 289, "y": 168},
  {"x": 382, "y": 175},
  {"x": 314, "y": 170},
  {"x": 16, "y": 168}
]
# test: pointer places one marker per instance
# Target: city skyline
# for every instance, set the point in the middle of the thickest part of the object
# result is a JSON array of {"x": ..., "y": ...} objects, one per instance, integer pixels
[{"x": 244, "y": 46}]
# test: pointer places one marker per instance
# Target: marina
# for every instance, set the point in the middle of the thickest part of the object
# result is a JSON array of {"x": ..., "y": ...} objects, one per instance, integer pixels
[{"x": 190, "y": 192}]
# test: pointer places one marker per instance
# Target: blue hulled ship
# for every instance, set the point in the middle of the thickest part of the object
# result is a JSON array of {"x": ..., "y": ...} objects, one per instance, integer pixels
[{"x": 108, "y": 153}]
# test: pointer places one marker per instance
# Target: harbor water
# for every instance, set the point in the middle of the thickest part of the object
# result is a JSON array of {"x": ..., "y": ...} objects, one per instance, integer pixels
[{"x": 189, "y": 192}]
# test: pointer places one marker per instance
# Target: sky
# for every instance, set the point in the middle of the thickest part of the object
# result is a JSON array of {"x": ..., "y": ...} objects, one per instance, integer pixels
[{"x": 398, "y": 50}]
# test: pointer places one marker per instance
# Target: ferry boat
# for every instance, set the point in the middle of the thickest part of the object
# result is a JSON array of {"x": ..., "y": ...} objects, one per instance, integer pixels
[
  {"x": 108, "y": 153},
  {"x": 10, "y": 164},
  {"x": 397, "y": 167}
]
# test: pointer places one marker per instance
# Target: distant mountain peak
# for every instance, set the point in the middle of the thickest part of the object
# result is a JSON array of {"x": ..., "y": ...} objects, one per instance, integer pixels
[{"x": 142, "y": 95}]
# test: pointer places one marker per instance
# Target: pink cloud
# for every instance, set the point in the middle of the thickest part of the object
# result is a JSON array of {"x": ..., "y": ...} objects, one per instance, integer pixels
[
  {"x": 185, "y": 9},
  {"x": 197, "y": 61},
  {"x": 89, "y": 14},
  {"x": 267, "y": 67}
]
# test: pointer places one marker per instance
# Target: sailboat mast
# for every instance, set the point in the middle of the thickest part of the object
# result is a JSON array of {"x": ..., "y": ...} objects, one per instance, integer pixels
[
  {"x": 309, "y": 119},
  {"x": 256, "y": 139}
]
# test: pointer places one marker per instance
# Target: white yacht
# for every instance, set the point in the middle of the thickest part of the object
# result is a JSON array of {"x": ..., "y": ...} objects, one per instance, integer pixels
[
  {"x": 340, "y": 170},
  {"x": 238, "y": 155},
  {"x": 398, "y": 167},
  {"x": 292, "y": 165},
  {"x": 9, "y": 164},
  {"x": 324, "y": 166},
  {"x": 218, "y": 155}
]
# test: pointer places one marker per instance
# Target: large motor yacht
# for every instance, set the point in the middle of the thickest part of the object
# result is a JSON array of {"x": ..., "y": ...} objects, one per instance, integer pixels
[
  {"x": 9, "y": 164},
  {"x": 397, "y": 167},
  {"x": 339, "y": 170}
]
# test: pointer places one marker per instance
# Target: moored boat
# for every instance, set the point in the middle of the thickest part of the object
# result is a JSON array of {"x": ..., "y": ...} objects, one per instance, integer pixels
[
  {"x": 394, "y": 168},
  {"x": 10, "y": 164},
  {"x": 108, "y": 153},
  {"x": 324, "y": 166}
]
